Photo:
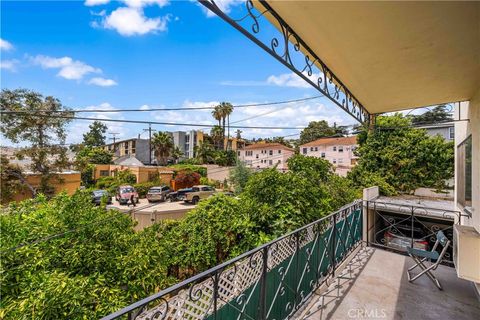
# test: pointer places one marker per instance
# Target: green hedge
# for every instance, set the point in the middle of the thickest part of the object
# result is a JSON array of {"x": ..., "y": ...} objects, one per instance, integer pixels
[{"x": 190, "y": 167}]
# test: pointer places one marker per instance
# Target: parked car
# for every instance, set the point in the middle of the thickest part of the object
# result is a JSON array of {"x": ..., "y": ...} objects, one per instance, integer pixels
[
  {"x": 158, "y": 193},
  {"x": 399, "y": 237},
  {"x": 124, "y": 194},
  {"x": 97, "y": 196},
  {"x": 178, "y": 195},
  {"x": 198, "y": 193}
]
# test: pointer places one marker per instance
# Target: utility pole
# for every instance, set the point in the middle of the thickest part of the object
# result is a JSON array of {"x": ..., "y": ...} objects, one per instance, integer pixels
[
  {"x": 149, "y": 142},
  {"x": 113, "y": 134}
]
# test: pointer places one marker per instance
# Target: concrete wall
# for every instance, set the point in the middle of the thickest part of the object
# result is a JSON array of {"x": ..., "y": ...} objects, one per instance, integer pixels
[
  {"x": 69, "y": 182},
  {"x": 216, "y": 172}
]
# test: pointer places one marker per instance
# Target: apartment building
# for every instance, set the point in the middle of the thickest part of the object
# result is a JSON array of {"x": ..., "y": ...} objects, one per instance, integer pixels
[
  {"x": 266, "y": 155},
  {"x": 137, "y": 147},
  {"x": 339, "y": 151},
  {"x": 186, "y": 141}
]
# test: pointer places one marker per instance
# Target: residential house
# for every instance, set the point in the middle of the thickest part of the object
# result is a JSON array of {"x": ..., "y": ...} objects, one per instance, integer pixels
[
  {"x": 339, "y": 151},
  {"x": 266, "y": 155},
  {"x": 445, "y": 130},
  {"x": 142, "y": 173}
]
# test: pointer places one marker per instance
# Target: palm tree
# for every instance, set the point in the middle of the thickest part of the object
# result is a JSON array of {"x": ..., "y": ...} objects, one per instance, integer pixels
[
  {"x": 222, "y": 113},
  {"x": 177, "y": 153},
  {"x": 217, "y": 135},
  {"x": 162, "y": 143},
  {"x": 204, "y": 152}
]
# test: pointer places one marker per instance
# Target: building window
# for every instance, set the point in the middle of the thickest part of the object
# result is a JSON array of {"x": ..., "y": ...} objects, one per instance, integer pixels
[
  {"x": 451, "y": 133},
  {"x": 340, "y": 149},
  {"x": 316, "y": 148},
  {"x": 256, "y": 156},
  {"x": 334, "y": 148},
  {"x": 126, "y": 151},
  {"x": 464, "y": 173},
  {"x": 270, "y": 162},
  {"x": 340, "y": 161},
  {"x": 279, "y": 161},
  {"x": 279, "y": 151},
  {"x": 334, "y": 161},
  {"x": 311, "y": 148},
  {"x": 323, "y": 154},
  {"x": 104, "y": 173},
  {"x": 125, "y": 144},
  {"x": 270, "y": 152},
  {"x": 305, "y": 150}
]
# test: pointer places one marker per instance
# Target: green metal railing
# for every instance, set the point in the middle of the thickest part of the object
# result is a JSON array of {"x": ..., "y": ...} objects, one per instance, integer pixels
[{"x": 268, "y": 282}]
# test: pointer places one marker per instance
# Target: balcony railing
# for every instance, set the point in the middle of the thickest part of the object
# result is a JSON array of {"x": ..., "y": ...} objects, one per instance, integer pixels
[
  {"x": 269, "y": 282},
  {"x": 398, "y": 226}
]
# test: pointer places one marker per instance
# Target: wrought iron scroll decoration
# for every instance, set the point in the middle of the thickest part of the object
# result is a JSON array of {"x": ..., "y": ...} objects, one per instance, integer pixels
[{"x": 286, "y": 45}]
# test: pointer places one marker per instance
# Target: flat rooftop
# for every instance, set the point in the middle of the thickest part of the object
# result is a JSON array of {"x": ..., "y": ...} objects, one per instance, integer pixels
[{"x": 378, "y": 288}]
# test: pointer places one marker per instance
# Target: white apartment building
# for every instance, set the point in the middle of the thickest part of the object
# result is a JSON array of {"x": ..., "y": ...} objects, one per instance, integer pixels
[
  {"x": 266, "y": 155},
  {"x": 339, "y": 151}
]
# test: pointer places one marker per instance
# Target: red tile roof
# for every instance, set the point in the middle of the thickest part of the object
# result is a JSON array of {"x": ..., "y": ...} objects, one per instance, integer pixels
[
  {"x": 345, "y": 141},
  {"x": 262, "y": 145}
]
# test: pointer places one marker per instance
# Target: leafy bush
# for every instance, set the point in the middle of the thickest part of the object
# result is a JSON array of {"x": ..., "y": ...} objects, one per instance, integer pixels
[
  {"x": 142, "y": 188},
  {"x": 208, "y": 182},
  {"x": 112, "y": 183},
  {"x": 187, "y": 178},
  {"x": 189, "y": 167},
  {"x": 402, "y": 158}
]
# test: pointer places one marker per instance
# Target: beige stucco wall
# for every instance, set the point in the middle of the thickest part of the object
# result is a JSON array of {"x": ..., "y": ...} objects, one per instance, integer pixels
[
  {"x": 255, "y": 160},
  {"x": 69, "y": 182},
  {"x": 471, "y": 111}
]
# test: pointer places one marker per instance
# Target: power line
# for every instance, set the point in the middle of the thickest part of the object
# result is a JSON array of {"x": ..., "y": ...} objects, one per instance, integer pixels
[
  {"x": 171, "y": 108},
  {"x": 156, "y": 122}
]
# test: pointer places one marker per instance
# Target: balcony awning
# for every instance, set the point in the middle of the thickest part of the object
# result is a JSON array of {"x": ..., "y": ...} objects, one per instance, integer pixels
[{"x": 393, "y": 55}]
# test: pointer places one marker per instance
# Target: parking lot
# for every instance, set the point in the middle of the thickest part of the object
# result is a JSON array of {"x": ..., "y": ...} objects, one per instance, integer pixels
[{"x": 148, "y": 213}]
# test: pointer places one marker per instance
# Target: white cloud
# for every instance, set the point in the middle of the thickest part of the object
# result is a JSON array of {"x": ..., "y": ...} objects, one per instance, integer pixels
[
  {"x": 68, "y": 68},
  {"x": 79, "y": 127},
  {"x": 144, "y": 3},
  {"x": 145, "y": 107},
  {"x": 224, "y": 5},
  {"x": 132, "y": 21},
  {"x": 102, "y": 82},
  {"x": 91, "y": 3},
  {"x": 10, "y": 65},
  {"x": 5, "y": 45},
  {"x": 290, "y": 80}
]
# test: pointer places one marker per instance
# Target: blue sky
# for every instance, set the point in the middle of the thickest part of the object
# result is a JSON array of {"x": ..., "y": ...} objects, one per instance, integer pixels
[{"x": 100, "y": 54}]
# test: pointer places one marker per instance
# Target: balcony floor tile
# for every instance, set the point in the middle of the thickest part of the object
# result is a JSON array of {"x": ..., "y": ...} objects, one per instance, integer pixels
[{"x": 380, "y": 290}]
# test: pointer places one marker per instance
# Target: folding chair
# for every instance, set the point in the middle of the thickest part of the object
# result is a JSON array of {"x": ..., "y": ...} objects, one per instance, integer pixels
[{"x": 420, "y": 256}]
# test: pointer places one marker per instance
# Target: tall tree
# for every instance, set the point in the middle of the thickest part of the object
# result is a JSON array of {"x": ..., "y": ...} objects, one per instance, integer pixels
[
  {"x": 437, "y": 114},
  {"x": 177, "y": 153},
  {"x": 95, "y": 137},
  {"x": 402, "y": 157},
  {"x": 227, "y": 109},
  {"x": 37, "y": 123},
  {"x": 217, "y": 135},
  {"x": 316, "y": 130},
  {"x": 204, "y": 152},
  {"x": 222, "y": 114},
  {"x": 162, "y": 144}
]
